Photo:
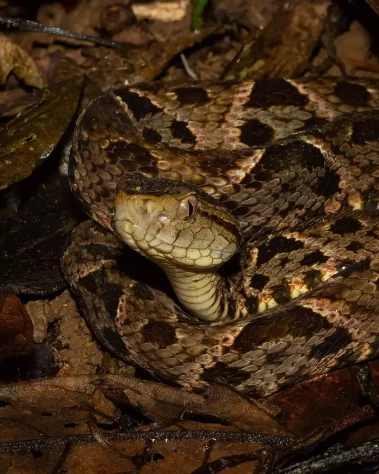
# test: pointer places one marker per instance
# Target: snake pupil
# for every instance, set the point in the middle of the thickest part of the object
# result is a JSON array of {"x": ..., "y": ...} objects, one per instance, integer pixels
[{"x": 191, "y": 209}]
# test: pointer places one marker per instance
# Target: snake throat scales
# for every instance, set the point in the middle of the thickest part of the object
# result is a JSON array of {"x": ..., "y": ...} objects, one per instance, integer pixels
[{"x": 285, "y": 175}]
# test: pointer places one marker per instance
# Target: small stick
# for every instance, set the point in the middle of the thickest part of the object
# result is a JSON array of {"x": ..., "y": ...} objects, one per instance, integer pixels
[
  {"x": 28, "y": 25},
  {"x": 192, "y": 74},
  {"x": 147, "y": 435}
]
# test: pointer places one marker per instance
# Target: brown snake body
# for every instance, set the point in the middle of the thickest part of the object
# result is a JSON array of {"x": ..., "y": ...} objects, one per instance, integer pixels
[{"x": 296, "y": 163}]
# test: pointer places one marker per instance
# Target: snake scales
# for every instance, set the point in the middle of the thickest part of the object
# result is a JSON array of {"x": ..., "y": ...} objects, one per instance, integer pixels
[{"x": 296, "y": 163}]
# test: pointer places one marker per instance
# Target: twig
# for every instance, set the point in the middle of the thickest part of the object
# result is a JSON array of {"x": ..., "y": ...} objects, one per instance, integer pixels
[
  {"x": 28, "y": 25},
  {"x": 332, "y": 461},
  {"x": 134, "y": 435},
  {"x": 192, "y": 74},
  {"x": 226, "y": 462}
]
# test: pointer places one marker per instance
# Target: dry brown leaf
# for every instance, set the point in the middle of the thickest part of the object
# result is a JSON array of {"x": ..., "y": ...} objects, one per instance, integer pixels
[
  {"x": 161, "y": 10},
  {"x": 15, "y": 59},
  {"x": 15, "y": 327},
  {"x": 254, "y": 14},
  {"x": 160, "y": 402},
  {"x": 245, "y": 414},
  {"x": 284, "y": 46},
  {"x": 374, "y": 4},
  {"x": 15, "y": 101},
  {"x": 83, "y": 18},
  {"x": 74, "y": 397},
  {"x": 354, "y": 43},
  {"x": 164, "y": 403},
  {"x": 55, "y": 418},
  {"x": 79, "y": 353}
]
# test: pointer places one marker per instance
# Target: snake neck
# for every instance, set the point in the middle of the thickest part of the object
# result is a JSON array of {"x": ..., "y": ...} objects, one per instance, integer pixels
[{"x": 203, "y": 294}]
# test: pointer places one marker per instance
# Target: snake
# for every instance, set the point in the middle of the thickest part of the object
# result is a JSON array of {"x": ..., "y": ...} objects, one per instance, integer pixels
[{"x": 234, "y": 228}]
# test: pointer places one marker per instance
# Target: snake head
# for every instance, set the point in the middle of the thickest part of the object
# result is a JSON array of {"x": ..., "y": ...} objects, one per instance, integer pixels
[{"x": 174, "y": 223}]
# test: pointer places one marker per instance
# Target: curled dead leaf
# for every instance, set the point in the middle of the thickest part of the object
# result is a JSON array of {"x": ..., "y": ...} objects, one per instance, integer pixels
[
  {"x": 16, "y": 327},
  {"x": 15, "y": 59}
]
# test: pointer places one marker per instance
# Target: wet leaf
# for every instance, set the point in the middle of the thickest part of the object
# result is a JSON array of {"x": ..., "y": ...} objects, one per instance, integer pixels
[
  {"x": 15, "y": 59},
  {"x": 30, "y": 138},
  {"x": 32, "y": 237}
]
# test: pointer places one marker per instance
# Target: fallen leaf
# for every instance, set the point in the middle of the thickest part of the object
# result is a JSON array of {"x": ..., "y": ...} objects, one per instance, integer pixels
[
  {"x": 15, "y": 59},
  {"x": 161, "y": 10},
  {"x": 16, "y": 328},
  {"x": 164, "y": 403},
  {"x": 33, "y": 235},
  {"x": 59, "y": 322},
  {"x": 374, "y": 4},
  {"x": 30, "y": 138},
  {"x": 15, "y": 101},
  {"x": 284, "y": 46},
  {"x": 317, "y": 402},
  {"x": 45, "y": 416},
  {"x": 62, "y": 421}
]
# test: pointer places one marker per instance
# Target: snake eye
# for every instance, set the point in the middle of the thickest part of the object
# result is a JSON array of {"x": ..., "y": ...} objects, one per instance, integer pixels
[{"x": 187, "y": 208}]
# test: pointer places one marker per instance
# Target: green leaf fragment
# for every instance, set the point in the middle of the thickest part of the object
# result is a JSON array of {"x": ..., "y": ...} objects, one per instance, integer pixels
[{"x": 197, "y": 14}]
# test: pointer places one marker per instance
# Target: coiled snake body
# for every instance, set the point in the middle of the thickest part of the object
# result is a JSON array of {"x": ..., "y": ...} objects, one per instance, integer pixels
[{"x": 277, "y": 179}]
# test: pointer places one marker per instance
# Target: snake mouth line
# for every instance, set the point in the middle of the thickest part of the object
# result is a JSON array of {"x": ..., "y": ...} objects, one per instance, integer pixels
[{"x": 132, "y": 241}]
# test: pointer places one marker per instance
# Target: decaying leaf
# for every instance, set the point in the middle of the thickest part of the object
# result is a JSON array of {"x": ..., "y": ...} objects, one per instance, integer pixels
[
  {"x": 75, "y": 421},
  {"x": 285, "y": 45},
  {"x": 16, "y": 327},
  {"x": 78, "y": 353},
  {"x": 33, "y": 236},
  {"x": 111, "y": 68},
  {"x": 252, "y": 14},
  {"x": 43, "y": 416},
  {"x": 15, "y": 101},
  {"x": 29, "y": 139},
  {"x": 83, "y": 17},
  {"x": 14, "y": 58},
  {"x": 164, "y": 403}
]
